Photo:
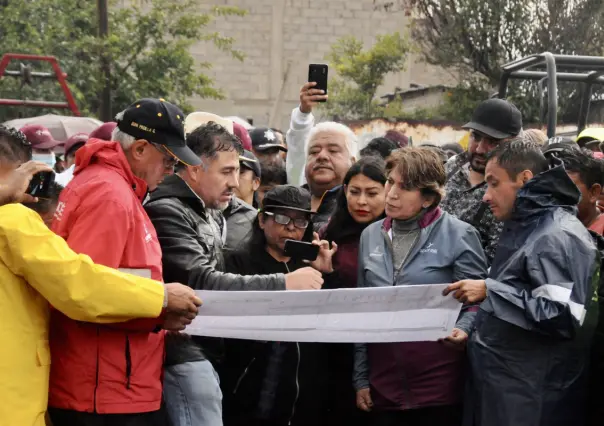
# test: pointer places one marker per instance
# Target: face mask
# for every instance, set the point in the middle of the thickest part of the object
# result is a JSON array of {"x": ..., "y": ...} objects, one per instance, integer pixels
[{"x": 48, "y": 159}]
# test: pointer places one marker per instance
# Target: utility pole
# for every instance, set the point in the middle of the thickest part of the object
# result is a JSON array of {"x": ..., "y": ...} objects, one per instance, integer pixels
[{"x": 105, "y": 112}]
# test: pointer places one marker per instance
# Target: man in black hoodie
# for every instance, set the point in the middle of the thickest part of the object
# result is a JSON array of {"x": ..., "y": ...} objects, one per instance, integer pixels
[{"x": 181, "y": 210}]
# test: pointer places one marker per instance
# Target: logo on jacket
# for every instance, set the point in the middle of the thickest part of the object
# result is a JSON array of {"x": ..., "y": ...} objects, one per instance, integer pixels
[
  {"x": 148, "y": 236},
  {"x": 429, "y": 249},
  {"x": 376, "y": 253},
  {"x": 59, "y": 211}
]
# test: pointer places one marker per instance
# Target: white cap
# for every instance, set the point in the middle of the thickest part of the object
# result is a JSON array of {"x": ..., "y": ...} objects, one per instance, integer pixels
[{"x": 196, "y": 119}]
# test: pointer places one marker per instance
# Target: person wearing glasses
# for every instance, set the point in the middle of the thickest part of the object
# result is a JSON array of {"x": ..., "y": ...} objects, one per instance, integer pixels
[
  {"x": 494, "y": 121},
  {"x": 115, "y": 371},
  {"x": 277, "y": 383},
  {"x": 185, "y": 211}
]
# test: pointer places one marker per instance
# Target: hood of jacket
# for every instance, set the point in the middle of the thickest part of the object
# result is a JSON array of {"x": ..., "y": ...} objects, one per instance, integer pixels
[
  {"x": 550, "y": 189},
  {"x": 110, "y": 155},
  {"x": 175, "y": 187}
]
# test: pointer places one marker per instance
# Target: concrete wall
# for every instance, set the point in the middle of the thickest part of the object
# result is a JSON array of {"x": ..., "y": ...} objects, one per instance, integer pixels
[{"x": 280, "y": 38}]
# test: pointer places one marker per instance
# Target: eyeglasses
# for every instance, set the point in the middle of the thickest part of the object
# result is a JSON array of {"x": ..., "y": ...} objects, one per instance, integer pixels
[
  {"x": 284, "y": 220},
  {"x": 170, "y": 161},
  {"x": 479, "y": 137}
]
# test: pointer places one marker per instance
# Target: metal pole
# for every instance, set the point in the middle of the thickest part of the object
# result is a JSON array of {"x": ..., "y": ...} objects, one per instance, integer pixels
[
  {"x": 552, "y": 95},
  {"x": 105, "y": 111}
]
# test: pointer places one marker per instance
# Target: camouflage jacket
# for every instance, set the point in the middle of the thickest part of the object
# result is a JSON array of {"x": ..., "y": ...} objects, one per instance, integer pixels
[{"x": 465, "y": 202}]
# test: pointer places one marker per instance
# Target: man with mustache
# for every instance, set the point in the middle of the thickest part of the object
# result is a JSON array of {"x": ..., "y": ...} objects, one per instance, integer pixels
[
  {"x": 494, "y": 121},
  {"x": 185, "y": 211}
]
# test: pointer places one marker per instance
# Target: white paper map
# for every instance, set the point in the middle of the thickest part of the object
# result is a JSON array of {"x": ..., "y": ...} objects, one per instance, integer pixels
[{"x": 367, "y": 315}]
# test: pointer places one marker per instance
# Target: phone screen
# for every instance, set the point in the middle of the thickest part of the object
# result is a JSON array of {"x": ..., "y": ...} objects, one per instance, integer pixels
[
  {"x": 41, "y": 184},
  {"x": 301, "y": 250}
]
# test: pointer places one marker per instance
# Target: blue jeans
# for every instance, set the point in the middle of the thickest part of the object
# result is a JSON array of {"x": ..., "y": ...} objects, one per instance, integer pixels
[{"x": 192, "y": 394}]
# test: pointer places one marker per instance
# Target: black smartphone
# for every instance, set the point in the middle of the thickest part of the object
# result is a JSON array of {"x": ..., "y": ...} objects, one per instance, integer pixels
[
  {"x": 318, "y": 74},
  {"x": 41, "y": 184},
  {"x": 301, "y": 250}
]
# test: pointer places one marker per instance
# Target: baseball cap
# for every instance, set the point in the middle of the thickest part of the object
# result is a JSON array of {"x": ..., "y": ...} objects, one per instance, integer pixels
[
  {"x": 243, "y": 135},
  {"x": 288, "y": 197},
  {"x": 75, "y": 140},
  {"x": 496, "y": 118},
  {"x": 103, "y": 132},
  {"x": 264, "y": 138},
  {"x": 249, "y": 161},
  {"x": 197, "y": 119},
  {"x": 159, "y": 122},
  {"x": 39, "y": 137}
]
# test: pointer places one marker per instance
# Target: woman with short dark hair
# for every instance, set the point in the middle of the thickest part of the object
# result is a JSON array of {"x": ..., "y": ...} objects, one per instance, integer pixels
[{"x": 416, "y": 383}]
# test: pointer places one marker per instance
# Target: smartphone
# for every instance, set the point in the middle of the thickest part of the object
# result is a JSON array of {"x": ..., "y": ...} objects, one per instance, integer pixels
[
  {"x": 318, "y": 74},
  {"x": 40, "y": 185},
  {"x": 301, "y": 250}
]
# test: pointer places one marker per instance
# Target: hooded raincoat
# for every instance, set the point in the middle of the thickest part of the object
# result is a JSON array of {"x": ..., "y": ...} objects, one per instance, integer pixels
[
  {"x": 529, "y": 351},
  {"x": 37, "y": 267}
]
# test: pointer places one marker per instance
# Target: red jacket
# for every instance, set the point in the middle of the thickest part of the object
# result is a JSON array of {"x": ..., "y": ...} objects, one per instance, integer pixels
[{"x": 100, "y": 368}]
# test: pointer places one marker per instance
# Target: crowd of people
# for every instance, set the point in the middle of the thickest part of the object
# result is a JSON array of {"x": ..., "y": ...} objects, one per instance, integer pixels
[{"x": 91, "y": 337}]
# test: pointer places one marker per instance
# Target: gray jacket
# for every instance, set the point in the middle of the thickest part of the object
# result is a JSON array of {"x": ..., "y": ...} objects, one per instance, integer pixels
[{"x": 447, "y": 250}]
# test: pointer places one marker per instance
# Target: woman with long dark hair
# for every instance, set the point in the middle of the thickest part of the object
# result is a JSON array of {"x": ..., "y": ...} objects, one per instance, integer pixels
[{"x": 360, "y": 202}]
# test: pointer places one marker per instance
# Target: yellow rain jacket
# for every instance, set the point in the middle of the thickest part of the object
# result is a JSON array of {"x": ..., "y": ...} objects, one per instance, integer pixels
[{"x": 37, "y": 268}]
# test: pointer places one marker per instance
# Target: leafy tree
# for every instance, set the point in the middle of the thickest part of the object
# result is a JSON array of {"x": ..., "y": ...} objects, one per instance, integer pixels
[
  {"x": 148, "y": 47},
  {"x": 359, "y": 74},
  {"x": 476, "y": 37}
]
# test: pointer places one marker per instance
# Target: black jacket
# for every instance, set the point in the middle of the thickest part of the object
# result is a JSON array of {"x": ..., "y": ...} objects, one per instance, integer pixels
[
  {"x": 530, "y": 349},
  {"x": 239, "y": 217},
  {"x": 326, "y": 209},
  {"x": 191, "y": 243},
  {"x": 277, "y": 383}
]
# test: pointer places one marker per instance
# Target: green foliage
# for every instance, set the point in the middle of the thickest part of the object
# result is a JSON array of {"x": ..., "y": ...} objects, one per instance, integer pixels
[
  {"x": 476, "y": 37},
  {"x": 359, "y": 74},
  {"x": 148, "y": 46}
]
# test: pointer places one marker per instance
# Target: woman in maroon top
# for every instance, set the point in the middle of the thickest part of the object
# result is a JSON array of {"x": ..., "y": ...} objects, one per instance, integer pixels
[{"x": 361, "y": 201}]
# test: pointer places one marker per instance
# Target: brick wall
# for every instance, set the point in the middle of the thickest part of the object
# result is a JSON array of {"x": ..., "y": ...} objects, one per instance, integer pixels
[{"x": 281, "y": 35}]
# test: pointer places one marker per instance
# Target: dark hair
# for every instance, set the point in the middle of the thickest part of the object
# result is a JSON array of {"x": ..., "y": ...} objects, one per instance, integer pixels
[
  {"x": 14, "y": 147},
  {"x": 582, "y": 161},
  {"x": 379, "y": 146},
  {"x": 258, "y": 240},
  {"x": 420, "y": 168},
  {"x": 273, "y": 173},
  {"x": 341, "y": 223},
  {"x": 211, "y": 138},
  {"x": 455, "y": 147},
  {"x": 518, "y": 155}
]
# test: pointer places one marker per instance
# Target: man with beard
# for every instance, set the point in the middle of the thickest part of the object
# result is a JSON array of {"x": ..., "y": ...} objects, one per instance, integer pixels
[
  {"x": 183, "y": 212},
  {"x": 494, "y": 121}
]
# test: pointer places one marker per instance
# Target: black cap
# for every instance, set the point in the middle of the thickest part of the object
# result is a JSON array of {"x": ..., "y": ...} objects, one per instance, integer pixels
[
  {"x": 249, "y": 161},
  {"x": 159, "y": 122},
  {"x": 287, "y": 197},
  {"x": 496, "y": 118},
  {"x": 264, "y": 138}
]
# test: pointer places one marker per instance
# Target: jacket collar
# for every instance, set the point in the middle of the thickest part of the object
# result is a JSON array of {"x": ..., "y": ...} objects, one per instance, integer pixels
[
  {"x": 429, "y": 218},
  {"x": 109, "y": 155},
  {"x": 175, "y": 187},
  {"x": 552, "y": 188}
]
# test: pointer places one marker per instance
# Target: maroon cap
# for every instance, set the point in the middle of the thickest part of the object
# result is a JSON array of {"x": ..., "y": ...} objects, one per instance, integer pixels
[
  {"x": 243, "y": 136},
  {"x": 398, "y": 137},
  {"x": 103, "y": 132},
  {"x": 78, "y": 138},
  {"x": 39, "y": 137}
]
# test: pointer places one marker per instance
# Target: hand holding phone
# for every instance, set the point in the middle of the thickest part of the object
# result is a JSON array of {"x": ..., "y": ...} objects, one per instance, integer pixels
[
  {"x": 317, "y": 73},
  {"x": 13, "y": 189},
  {"x": 41, "y": 184}
]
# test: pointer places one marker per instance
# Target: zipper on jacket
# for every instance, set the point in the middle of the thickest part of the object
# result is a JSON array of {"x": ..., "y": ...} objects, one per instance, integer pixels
[
  {"x": 297, "y": 385},
  {"x": 96, "y": 384},
  {"x": 243, "y": 376},
  {"x": 128, "y": 362}
]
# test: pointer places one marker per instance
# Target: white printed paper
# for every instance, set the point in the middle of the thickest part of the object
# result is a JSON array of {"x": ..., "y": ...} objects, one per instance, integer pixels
[{"x": 367, "y": 315}]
